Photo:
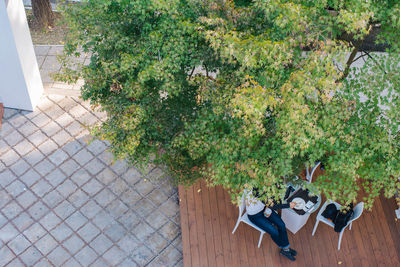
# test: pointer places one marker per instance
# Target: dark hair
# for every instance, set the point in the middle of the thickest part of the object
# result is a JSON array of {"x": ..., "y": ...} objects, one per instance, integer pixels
[{"x": 256, "y": 192}]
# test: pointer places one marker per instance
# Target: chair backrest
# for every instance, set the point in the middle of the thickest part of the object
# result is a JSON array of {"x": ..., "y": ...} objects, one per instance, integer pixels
[
  {"x": 242, "y": 203},
  {"x": 358, "y": 210},
  {"x": 309, "y": 178}
]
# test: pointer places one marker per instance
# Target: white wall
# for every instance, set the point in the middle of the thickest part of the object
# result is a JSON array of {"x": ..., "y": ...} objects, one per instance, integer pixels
[{"x": 20, "y": 83}]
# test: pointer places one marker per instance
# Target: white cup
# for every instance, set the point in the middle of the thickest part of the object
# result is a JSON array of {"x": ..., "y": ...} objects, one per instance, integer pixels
[{"x": 267, "y": 212}]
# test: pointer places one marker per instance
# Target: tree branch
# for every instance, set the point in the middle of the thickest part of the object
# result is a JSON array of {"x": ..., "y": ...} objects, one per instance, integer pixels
[
  {"x": 359, "y": 57},
  {"x": 191, "y": 73},
  {"x": 348, "y": 63},
  {"x": 376, "y": 62}
]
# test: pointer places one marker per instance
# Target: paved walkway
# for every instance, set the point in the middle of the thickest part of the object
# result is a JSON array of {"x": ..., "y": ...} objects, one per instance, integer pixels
[
  {"x": 63, "y": 202},
  {"x": 46, "y": 56}
]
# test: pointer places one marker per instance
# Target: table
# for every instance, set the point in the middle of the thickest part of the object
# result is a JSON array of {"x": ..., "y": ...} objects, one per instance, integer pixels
[{"x": 296, "y": 219}]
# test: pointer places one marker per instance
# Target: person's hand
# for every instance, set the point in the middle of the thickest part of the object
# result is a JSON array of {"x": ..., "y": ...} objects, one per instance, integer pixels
[
  {"x": 292, "y": 205},
  {"x": 267, "y": 212}
]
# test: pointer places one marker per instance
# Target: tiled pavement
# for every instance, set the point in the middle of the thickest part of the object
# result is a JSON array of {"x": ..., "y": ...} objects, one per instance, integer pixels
[
  {"x": 47, "y": 58},
  {"x": 63, "y": 202}
]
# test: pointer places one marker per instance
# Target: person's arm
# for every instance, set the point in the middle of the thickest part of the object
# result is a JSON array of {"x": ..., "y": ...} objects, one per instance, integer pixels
[{"x": 282, "y": 206}]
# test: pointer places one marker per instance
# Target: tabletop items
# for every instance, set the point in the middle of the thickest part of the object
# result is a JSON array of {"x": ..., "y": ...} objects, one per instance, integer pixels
[
  {"x": 305, "y": 200},
  {"x": 296, "y": 218}
]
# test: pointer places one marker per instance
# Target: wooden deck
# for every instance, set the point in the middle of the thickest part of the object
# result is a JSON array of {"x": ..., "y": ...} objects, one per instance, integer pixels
[{"x": 208, "y": 218}]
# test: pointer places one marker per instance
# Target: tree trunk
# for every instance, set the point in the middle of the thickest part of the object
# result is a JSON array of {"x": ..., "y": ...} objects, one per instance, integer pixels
[{"x": 43, "y": 14}]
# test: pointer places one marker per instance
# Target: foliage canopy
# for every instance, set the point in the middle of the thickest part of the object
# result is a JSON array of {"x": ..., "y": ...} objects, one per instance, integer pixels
[{"x": 244, "y": 93}]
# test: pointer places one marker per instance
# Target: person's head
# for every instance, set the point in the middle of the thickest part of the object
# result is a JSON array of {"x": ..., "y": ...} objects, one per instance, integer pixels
[{"x": 257, "y": 193}]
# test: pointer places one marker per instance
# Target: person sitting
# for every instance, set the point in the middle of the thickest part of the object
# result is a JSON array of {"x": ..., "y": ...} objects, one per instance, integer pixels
[{"x": 268, "y": 220}]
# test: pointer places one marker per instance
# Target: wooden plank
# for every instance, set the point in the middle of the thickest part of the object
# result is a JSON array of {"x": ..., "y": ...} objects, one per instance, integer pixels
[
  {"x": 382, "y": 243},
  {"x": 251, "y": 245},
  {"x": 201, "y": 235},
  {"x": 259, "y": 255},
  {"x": 326, "y": 244},
  {"x": 224, "y": 229},
  {"x": 386, "y": 237},
  {"x": 205, "y": 195},
  {"x": 259, "y": 251},
  {"x": 194, "y": 243},
  {"x": 361, "y": 226},
  {"x": 301, "y": 247},
  {"x": 308, "y": 239},
  {"x": 232, "y": 213},
  {"x": 187, "y": 260},
  {"x": 371, "y": 235},
  {"x": 345, "y": 247},
  {"x": 388, "y": 206},
  {"x": 241, "y": 232},
  {"x": 361, "y": 248},
  {"x": 216, "y": 229},
  {"x": 353, "y": 247},
  {"x": 268, "y": 251}
]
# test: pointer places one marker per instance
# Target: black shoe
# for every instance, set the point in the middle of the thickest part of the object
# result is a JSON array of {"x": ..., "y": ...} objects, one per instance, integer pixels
[
  {"x": 293, "y": 252},
  {"x": 287, "y": 254}
]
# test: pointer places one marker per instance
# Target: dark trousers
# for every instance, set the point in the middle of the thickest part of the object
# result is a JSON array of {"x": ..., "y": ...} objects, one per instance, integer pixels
[{"x": 273, "y": 225}]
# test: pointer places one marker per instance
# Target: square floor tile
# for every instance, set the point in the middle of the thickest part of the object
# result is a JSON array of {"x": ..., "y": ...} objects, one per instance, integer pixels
[
  {"x": 66, "y": 188},
  {"x": 58, "y": 256},
  {"x": 52, "y": 199},
  {"x": 56, "y": 177},
  {"x": 76, "y": 220},
  {"x": 38, "y": 210},
  {"x": 86, "y": 256},
  {"x": 6, "y": 177},
  {"x": 78, "y": 198},
  {"x": 12, "y": 210},
  {"x": 41, "y": 188},
  {"x": 101, "y": 244},
  {"x": 64, "y": 209},
  {"x": 30, "y": 256},
  {"x": 73, "y": 244},
  {"x": 50, "y": 221},
  {"x": 22, "y": 221},
  {"x": 16, "y": 188},
  {"x": 61, "y": 232},
  {"x": 6, "y": 255},
  {"x": 114, "y": 255},
  {"x": 88, "y": 232},
  {"x": 34, "y": 232},
  {"x": 92, "y": 187},
  {"x": 46, "y": 244}
]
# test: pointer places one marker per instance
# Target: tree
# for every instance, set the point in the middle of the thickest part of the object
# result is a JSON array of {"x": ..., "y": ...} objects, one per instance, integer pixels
[
  {"x": 243, "y": 93},
  {"x": 43, "y": 13}
]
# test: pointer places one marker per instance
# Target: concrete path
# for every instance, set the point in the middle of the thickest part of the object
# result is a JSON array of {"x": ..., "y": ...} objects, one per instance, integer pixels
[{"x": 64, "y": 203}]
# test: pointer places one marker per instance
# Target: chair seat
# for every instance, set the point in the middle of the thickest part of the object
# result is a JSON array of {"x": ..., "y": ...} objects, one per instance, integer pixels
[
  {"x": 357, "y": 213},
  {"x": 246, "y": 220},
  {"x": 325, "y": 220}
]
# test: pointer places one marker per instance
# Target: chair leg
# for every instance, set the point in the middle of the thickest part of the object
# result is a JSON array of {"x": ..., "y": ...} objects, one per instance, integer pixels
[
  {"x": 236, "y": 226},
  {"x": 315, "y": 227},
  {"x": 340, "y": 240},
  {"x": 259, "y": 241}
]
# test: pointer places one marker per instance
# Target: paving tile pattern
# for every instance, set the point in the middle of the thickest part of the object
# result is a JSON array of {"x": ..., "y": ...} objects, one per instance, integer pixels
[
  {"x": 63, "y": 202},
  {"x": 47, "y": 59}
]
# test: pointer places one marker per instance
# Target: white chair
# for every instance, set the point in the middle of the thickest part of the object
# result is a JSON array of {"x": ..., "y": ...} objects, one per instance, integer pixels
[
  {"x": 244, "y": 218},
  {"x": 357, "y": 213},
  {"x": 309, "y": 174}
]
